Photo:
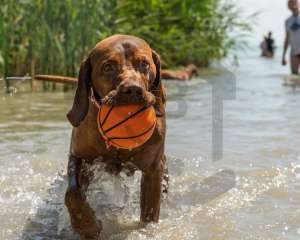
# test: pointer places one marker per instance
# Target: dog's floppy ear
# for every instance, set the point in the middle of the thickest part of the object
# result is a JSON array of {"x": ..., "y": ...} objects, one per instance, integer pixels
[
  {"x": 81, "y": 100},
  {"x": 157, "y": 88}
]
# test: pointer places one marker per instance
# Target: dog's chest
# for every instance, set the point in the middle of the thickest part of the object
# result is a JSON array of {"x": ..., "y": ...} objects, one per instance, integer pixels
[{"x": 116, "y": 161}]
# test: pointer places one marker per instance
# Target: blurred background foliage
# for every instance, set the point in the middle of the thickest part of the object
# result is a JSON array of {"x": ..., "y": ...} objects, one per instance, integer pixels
[{"x": 53, "y": 36}]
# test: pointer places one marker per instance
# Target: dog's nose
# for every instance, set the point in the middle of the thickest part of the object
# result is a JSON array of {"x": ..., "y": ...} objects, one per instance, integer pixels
[{"x": 130, "y": 90}]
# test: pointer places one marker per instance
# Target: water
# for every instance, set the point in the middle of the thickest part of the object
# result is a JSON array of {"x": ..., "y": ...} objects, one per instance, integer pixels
[{"x": 252, "y": 193}]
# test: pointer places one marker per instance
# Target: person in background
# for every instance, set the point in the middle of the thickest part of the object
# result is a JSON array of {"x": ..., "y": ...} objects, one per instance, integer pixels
[
  {"x": 292, "y": 25},
  {"x": 268, "y": 46}
]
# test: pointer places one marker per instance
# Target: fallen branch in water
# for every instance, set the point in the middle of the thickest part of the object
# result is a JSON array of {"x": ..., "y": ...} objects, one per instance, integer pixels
[
  {"x": 15, "y": 78},
  {"x": 184, "y": 74},
  {"x": 56, "y": 79}
]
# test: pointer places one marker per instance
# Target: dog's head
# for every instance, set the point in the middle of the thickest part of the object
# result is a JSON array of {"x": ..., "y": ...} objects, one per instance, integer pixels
[{"x": 121, "y": 70}]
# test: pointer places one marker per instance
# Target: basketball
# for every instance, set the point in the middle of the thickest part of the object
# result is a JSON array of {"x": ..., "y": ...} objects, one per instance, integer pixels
[{"x": 128, "y": 126}]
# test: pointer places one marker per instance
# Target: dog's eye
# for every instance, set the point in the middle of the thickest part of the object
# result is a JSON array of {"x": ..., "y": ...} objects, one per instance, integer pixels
[
  {"x": 107, "y": 68},
  {"x": 144, "y": 65}
]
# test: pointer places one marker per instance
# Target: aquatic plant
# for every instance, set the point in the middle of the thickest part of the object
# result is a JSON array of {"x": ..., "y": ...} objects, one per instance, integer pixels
[{"x": 53, "y": 36}]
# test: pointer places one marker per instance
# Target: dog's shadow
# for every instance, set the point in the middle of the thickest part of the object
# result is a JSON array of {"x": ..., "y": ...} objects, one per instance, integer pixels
[{"x": 51, "y": 220}]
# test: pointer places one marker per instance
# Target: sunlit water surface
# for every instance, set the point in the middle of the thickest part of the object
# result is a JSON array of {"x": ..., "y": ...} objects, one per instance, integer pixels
[{"x": 252, "y": 193}]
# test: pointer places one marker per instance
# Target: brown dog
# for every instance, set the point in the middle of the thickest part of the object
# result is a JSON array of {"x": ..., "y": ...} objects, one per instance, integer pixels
[
  {"x": 119, "y": 70},
  {"x": 183, "y": 75}
]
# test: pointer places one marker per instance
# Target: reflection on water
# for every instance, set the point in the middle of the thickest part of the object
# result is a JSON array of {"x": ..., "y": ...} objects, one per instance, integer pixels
[{"x": 253, "y": 193}]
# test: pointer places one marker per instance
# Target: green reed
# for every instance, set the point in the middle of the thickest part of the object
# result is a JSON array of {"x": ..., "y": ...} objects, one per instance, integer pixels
[{"x": 53, "y": 36}]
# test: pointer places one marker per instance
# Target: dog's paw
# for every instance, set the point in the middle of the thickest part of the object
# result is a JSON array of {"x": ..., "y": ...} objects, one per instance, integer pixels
[
  {"x": 111, "y": 98},
  {"x": 91, "y": 238},
  {"x": 97, "y": 236},
  {"x": 149, "y": 98}
]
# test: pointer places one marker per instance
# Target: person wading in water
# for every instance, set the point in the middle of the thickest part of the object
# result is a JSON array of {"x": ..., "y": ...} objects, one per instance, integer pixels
[
  {"x": 292, "y": 25},
  {"x": 268, "y": 46}
]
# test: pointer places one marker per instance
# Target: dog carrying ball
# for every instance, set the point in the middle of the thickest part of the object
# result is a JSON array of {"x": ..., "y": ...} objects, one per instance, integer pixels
[{"x": 128, "y": 126}]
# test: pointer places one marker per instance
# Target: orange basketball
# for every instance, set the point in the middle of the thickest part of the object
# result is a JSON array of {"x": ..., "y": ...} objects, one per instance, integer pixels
[{"x": 127, "y": 126}]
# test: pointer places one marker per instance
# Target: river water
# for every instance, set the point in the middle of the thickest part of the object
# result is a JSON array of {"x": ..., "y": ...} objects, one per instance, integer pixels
[{"x": 253, "y": 192}]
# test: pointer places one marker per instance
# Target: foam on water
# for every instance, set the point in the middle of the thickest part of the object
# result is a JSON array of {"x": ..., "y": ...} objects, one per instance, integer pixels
[{"x": 202, "y": 204}]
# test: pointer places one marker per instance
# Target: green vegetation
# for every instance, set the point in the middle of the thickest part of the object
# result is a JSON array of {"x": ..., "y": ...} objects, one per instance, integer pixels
[{"x": 53, "y": 36}]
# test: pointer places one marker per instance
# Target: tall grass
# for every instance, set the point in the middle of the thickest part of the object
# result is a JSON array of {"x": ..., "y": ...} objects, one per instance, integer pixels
[{"x": 53, "y": 36}]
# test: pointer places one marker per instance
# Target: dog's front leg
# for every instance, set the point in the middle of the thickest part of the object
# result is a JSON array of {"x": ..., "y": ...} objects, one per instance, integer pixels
[
  {"x": 82, "y": 216},
  {"x": 151, "y": 193}
]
